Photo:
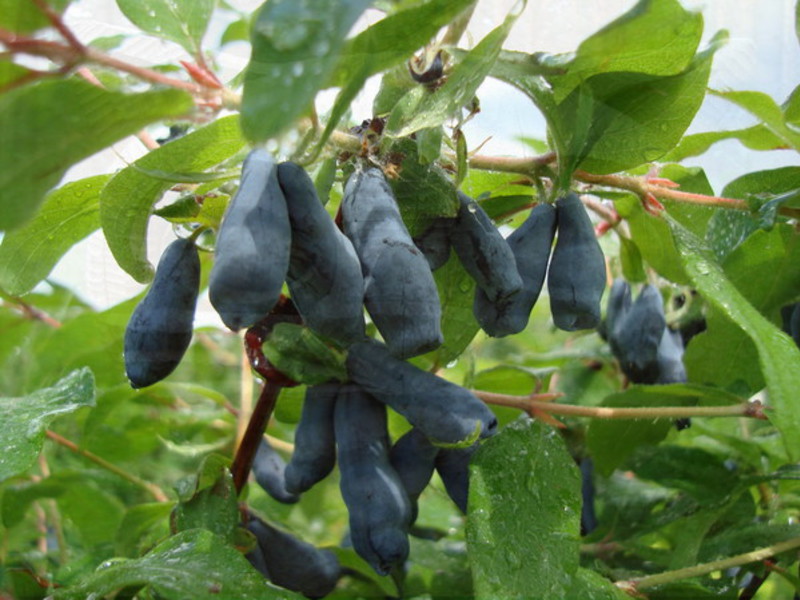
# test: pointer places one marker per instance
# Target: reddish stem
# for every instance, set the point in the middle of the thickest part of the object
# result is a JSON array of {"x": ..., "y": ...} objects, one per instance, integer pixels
[{"x": 243, "y": 461}]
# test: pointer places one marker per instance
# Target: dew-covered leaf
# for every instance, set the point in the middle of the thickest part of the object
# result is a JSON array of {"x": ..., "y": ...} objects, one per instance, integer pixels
[
  {"x": 632, "y": 118},
  {"x": 126, "y": 202},
  {"x": 26, "y": 419},
  {"x": 214, "y": 504},
  {"x": 296, "y": 46},
  {"x": 181, "y": 21},
  {"x": 778, "y": 356},
  {"x": 655, "y": 37},
  {"x": 193, "y": 564},
  {"x": 524, "y": 470}
]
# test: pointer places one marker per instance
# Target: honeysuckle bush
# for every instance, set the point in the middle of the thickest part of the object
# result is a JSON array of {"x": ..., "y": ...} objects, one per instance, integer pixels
[{"x": 106, "y": 491}]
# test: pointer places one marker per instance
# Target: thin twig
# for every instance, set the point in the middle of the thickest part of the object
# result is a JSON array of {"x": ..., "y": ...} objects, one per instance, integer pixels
[
  {"x": 149, "y": 487},
  {"x": 31, "y": 312},
  {"x": 100, "y": 58},
  {"x": 761, "y": 554},
  {"x": 540, "y": 403}
]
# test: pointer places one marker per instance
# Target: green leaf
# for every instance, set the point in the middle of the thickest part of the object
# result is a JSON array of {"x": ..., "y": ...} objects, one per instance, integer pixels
[
  {"x": 181, "y": 21},
  {"x": 238, "y": 31},
  {"x": 766, "y": 268},
  {"x": 652, "y": 236},
  {"x": 740, "y": 369},
  {"x": 524, "y": 470},
  {"x": 778, "y": 356},
  {"x": 395, "y": 84},
  {"x": 656, "y": 37},
  {"x": 92, "y": 339},
  {"x": 127, "y": 200},
  {"x": 729, "y": 228},
  {"x": 767, "y": 110},
  {"x": 352, "y": 561},
  {"x": 108, "y": 42},
  {"x": 296, "y": 46},
  {"x": 462, "y": 157},
  {"x": 214, "y": 504},
  {"x": 24, "y": 17},
  {"x": 298, "y": 353},
  {"x": 439, "y": 567},
  {"x": 423, "y": 191},
  {"x": 797, "y": 20},
  {"x": 611, "y": 441},
  {"x": 694, "y": 217},
  {"x": 25, "y": 419},
  {"x": 432, "y": 109},
  {"x": 757, "y": 137},
  {"x": 456, "y": 294},
  {"x": 631, "y": 260},
  {"x": 141, "y": 526},
  {"x": 95, "y": 512},
  {"x": 746, "y": 537},
  {"x": 791, "y": 107},
  {"x": 767, "y": 182},
  {"x": 429, "y": 144},
  {"x": 69, "y": 214},
  {"x": 479, "y": 183},
  {"x": 192, "y": 564},
  {"x": 323, "y": 181},
  {"x": 697, "y": 472},
  {"x": 635, "y": 118},
  {"x": 38, "y": 145},
  {"x": 10, "y": 72}
]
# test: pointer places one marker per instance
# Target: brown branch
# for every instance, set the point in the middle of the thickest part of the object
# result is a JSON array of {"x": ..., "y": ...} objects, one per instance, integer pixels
[
  {"x": 57, "y": 22},
  {"x": 101, "y": 58},
  {"x": 70, "y": 57},
  {"x": 243, "y": 461},
  {"x": 149, "y": 487}
]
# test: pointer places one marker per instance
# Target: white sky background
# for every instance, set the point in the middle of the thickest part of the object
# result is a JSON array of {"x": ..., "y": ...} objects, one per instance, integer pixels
[{"x": 763, "y": 55}]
